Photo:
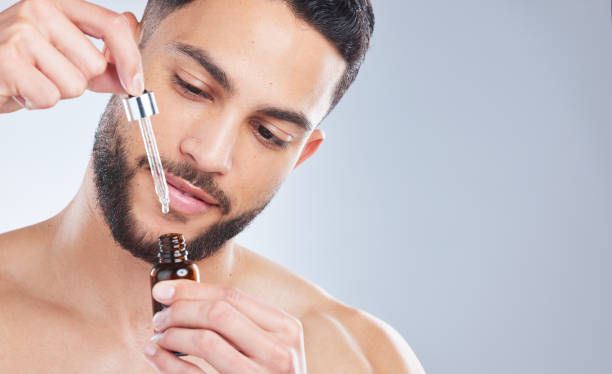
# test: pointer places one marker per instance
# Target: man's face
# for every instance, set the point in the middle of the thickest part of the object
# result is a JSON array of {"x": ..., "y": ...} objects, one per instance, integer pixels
[{"x": 240, "y": 86}]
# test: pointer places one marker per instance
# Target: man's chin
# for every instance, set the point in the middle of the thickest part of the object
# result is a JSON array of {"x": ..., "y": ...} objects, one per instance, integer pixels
[
  {"x": 150, "y": 219},
  {"x": 141, "y": 237}
]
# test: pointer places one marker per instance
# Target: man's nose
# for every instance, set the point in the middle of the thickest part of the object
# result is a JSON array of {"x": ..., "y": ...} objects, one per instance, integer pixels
[{"x": 210, "y": 146}]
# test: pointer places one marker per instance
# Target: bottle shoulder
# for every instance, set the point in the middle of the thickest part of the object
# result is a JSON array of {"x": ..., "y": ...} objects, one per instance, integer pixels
[
  {"x": 173, "y": 264},
  {"x": 175, "y": 270}
]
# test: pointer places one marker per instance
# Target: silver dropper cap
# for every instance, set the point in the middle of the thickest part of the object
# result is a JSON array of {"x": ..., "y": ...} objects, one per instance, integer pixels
[{"x": 143, "y": 106}]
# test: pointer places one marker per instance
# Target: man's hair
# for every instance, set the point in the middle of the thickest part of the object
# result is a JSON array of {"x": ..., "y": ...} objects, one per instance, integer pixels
[{"x": 347, "y": 24}]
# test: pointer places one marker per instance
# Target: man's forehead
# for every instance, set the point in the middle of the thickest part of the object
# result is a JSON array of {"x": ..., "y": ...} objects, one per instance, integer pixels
[
  {"x": 262, "y": 41},
  {"x": 218, "y": 74}
]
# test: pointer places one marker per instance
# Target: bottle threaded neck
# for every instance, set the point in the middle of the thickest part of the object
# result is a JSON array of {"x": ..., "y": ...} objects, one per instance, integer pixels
[{"x": 172, "y": 248}]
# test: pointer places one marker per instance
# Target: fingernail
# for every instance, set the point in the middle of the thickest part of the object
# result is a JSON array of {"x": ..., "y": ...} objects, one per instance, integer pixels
[
  {"x": 150, "y": 349},
  {"x": 19, "y": 100},
  {"x": 138, "y": 83},
  {"x": 107, "y": 54},
  {"x": 28, "y": 104},
  {"x": 123, "y": 84},
  {"x": 155, "y": 338},
  {"x": 159, "y": 318},
  {"x": 163, "y": 292}
]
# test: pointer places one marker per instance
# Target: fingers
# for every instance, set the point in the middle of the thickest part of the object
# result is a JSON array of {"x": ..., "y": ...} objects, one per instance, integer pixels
[
  {"x": 267, "y": 317},
  {"x": 107, "y": 82},
  {"x": 36, "y": 90},
  {"x": 224, "y": 319},
  {"x": 167, "y": 363},
  {"x": 69, "y": 80},
  {"x": 205, "y": 344},
  {"x": 73, "y": 44},
  {"x": 45, "y": 55},
  {"x": 133, "y": 22},
  {"x": 112, "y": 27},
  {"x": 218, "y": 322}
]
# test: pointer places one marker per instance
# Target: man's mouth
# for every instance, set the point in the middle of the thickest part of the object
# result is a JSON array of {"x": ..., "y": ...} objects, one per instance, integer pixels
[{"x": 186, "y": 198}]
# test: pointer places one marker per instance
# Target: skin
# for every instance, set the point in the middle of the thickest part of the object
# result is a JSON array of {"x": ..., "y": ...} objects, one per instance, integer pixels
[{"x": 80, "y": 303}]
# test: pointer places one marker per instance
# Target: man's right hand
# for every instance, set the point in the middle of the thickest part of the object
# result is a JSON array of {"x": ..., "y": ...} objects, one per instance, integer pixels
[{"x": 45, "y": 55}]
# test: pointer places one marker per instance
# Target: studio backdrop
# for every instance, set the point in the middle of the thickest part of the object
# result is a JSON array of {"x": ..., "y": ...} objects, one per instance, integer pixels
[{"x": 463, "y": 193}]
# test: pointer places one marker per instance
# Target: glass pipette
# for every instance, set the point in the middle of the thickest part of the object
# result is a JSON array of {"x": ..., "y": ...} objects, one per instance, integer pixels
[{"x": 141, "y": 108}]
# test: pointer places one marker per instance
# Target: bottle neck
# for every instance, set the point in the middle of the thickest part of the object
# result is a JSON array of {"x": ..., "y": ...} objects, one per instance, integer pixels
[
  {"x": 168, "y": 257},
  {"x": 171, "y": 249}
]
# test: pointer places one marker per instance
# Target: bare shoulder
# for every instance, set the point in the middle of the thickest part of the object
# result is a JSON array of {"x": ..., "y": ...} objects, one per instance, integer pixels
[
  {"x": 381, "y": 347},
  {"x": 15, "y": 242},
  {"x": 19, "y": 274},
  {"x": 23, "y": 314},
  {"x": 276, "y": 285},
  {"x": 338, "y": 338},
  {"x": 15, "y": 237},
  {"x": 17, "y": 270},
  {"x": 16, "y": 248}
]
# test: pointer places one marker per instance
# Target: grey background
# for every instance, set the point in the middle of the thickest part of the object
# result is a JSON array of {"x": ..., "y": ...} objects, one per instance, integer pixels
[{"x": 463, "y": 194}]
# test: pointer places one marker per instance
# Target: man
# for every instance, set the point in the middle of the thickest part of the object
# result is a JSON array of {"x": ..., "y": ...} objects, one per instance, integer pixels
[{"x": 243, "y": 86}]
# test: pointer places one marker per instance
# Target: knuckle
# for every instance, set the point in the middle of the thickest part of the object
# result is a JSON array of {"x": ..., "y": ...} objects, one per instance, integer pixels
[
  {"x": 230, "y": 294},
  {"x": 30, "y": 10},
  {"x": 292, "y": 328},
  {"x": 119, "y": 23},
  {"x": 37, "y": 7},
  {"x": 25, "y": 8},
  {"x": 175, "y": 312},
  {"x": 284, "y": 361},
  {"x": 8, "y": 56},
  {"x": 207, "y": 340},
  {"x": 171, "y": 315},
  {"x": 77, "y": 87},
  {"x": 280, "y": 354},
  {"x": 96, "y": 66},
  {"x": 50, "y": 99},
  {"x": 22, "y": 32},
  {"x": 32, "y": 3},
  {"x": 219, "y": 311}
]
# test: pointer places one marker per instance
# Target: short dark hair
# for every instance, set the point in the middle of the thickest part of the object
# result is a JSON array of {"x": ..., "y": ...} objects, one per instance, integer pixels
[{"x": 347, "y": 24}]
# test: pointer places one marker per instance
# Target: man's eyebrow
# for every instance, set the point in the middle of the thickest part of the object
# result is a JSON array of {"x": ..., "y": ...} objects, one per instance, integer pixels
[
  {"x": 298, "y": 118},
  {"x": 203, "y": 58}
]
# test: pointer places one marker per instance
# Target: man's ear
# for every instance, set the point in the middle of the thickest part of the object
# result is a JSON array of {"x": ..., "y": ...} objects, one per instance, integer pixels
[{"x": 312, "y": 144}]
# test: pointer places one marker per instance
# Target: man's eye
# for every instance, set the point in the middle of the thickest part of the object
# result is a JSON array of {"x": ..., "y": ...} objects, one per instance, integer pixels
[
  {"x": 268, "y": 137},
  {"x": 265, "y": 132},
  {"x": 190, "y": 90}
]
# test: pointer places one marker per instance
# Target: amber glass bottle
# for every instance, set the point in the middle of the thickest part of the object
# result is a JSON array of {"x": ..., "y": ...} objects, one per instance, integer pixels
[{"x": 172, "y": 264}]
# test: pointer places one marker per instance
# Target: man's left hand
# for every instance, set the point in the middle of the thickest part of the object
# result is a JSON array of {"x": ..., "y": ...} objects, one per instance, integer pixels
[{"x": 230, "y": 330}]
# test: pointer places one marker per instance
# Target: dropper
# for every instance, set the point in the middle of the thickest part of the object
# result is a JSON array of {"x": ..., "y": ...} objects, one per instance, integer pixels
[{"x": 141, "y": 108}]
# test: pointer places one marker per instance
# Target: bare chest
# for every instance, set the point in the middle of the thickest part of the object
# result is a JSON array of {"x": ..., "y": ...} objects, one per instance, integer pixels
[{"x": 60, "y": 347}]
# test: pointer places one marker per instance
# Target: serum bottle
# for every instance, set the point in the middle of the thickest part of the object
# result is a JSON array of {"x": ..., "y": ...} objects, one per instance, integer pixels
[{"x": 172, "y": 264}]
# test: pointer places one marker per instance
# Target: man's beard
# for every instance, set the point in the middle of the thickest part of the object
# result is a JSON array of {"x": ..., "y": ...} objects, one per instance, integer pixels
[{"x": 112, "y": 176}]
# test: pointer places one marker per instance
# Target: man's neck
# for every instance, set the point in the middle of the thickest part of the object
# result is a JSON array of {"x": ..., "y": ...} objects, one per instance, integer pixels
[{"x": 105, "y": 281}]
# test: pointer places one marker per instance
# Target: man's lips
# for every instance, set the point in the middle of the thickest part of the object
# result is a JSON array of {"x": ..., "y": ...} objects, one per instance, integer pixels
[
  {"x": 186, "y": 187},
  {"x": 187, "y": 198}
]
